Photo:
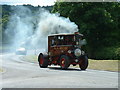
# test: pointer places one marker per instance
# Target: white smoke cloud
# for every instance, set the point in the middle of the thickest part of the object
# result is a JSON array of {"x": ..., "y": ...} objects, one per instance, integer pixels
[{"x": 33, "y": 28}]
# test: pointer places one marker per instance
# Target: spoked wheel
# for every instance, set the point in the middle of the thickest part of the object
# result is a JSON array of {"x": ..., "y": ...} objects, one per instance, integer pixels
[
  {"x": 64, "y": 62},
  {"x": 43, "y": 62},
  {"x": 84, "y": 63}
]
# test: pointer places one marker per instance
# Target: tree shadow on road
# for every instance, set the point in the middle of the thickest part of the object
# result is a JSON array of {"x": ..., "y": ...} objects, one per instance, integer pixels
[{"x": 69, "y": 69}]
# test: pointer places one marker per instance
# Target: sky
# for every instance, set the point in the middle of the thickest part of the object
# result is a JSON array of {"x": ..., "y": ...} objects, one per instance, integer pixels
[{"x": 32, "y": 2}]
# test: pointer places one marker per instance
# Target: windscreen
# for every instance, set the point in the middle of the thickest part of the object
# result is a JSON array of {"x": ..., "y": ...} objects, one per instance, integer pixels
[{"x": 65, "y": 40}]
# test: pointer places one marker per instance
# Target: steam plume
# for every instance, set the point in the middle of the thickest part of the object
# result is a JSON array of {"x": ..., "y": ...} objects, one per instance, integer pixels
[{"x": 32, "y": 29}]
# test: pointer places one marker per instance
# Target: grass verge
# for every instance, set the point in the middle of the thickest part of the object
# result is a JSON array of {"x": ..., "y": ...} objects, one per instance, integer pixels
[
  {"x": 108, "y": 65},
  {"x": 30, "y": 58},
  {"x": 1, "y": 70}
]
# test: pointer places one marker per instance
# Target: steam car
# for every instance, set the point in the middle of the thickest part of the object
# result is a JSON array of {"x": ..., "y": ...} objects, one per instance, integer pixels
[{"x": 64, "y": 50}]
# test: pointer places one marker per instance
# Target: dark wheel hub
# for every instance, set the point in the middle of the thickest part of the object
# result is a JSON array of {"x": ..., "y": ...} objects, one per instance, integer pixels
[{"x": 64, "y": 62}]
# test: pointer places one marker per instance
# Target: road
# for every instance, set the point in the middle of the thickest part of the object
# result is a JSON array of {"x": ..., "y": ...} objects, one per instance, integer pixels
[{"x": 22, "y": 74}]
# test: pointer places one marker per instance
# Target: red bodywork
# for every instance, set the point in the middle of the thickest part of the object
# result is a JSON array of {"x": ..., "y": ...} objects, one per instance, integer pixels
[{"x": 63, "y": 44}]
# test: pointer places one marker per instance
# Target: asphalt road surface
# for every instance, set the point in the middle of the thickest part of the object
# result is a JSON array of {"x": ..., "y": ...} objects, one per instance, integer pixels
[{"x": 22, "y": 74}]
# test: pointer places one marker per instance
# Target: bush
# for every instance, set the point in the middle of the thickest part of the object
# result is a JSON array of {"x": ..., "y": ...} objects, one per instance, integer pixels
[
  {"x": 110, "y": 53},
  {"x": 117, "y": 52}
]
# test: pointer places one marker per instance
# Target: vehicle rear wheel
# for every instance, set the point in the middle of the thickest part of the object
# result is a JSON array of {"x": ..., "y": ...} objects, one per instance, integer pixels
[
  {"x": 64, "y": 62},
  {"x": 43, "y": 61},
  {"x": 84, "y": 63}
]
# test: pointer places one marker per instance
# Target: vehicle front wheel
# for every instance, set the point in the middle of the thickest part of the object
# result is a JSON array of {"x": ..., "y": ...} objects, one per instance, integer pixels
[
  {"x": 84, "y": 63},
  {"x": 64, "y": 62},
  {"x": 43, "y": 61}
]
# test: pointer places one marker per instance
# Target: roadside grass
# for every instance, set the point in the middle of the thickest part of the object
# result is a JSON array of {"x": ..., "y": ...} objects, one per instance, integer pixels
[
  {"x": 3, "y": 47},
  {"x": 30, "y": 58},
  {"x": 108, "y": 65},
  {"x": 6, "y": 48},
  {"x": 1, "y": 70}
]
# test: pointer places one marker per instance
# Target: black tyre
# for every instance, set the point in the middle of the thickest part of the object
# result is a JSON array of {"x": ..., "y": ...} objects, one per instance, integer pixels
[
  {"x": 43, "y": 61},
  {"x": 64, "y": 62},
  {"x": 84, "y": 63}
]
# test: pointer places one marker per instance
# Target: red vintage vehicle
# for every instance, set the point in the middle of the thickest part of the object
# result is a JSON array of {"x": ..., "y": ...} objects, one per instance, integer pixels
[{"x": 63, "y": 50}]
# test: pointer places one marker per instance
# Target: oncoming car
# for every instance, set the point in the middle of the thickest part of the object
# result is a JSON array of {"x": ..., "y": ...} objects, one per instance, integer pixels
[
  {"x": 64, "y": 50},
  {"x": 21, "y": 51}
]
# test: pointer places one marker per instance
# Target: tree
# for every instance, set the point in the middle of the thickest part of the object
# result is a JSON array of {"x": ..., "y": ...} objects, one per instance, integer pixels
[{"x": 99, "y": 22}]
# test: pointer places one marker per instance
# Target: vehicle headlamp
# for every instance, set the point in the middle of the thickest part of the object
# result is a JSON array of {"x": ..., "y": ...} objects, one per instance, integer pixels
[{"x": 77, "y": 52}]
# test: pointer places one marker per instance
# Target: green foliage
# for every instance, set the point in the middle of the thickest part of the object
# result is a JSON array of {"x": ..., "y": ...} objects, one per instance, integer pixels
[
  {"x": 117, "y": 52},
  {"x": 99, "y": 22},
  {"x": 108, "y": 53}
]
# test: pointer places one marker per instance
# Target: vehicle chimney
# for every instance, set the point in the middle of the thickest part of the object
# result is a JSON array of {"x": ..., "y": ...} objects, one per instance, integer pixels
[{"x": 76, "y": 33}]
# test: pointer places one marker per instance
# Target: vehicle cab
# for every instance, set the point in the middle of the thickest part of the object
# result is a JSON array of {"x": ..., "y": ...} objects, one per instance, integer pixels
[{"x": 64, "y": 50}]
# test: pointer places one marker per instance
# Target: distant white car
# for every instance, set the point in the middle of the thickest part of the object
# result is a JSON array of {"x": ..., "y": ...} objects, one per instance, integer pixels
[{"x": 21, "y": 51}]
